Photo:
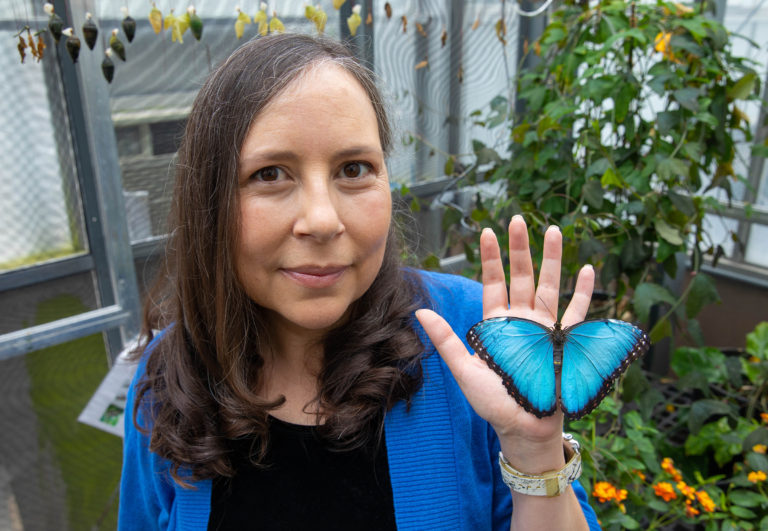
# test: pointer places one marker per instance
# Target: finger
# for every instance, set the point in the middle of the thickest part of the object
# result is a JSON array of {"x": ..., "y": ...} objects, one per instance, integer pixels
[
  {"x": 494, "y": 284},
  {"x": 521, "y": 283},
  {"x": 447, "y": 343},
  {"x": 582, "y": 296},
  {"x": 548, "y": 291}
]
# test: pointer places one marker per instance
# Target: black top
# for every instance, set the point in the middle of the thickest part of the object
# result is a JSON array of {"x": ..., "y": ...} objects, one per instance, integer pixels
[{"x": 306, "y": 486}]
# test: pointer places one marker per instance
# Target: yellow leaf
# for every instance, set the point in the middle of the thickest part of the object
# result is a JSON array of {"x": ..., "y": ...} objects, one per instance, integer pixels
[
  {"x": 275, "y": 25},
  {"x": 421, "y": 64},
  {"x": 156, "y": 19},
  {"x": 338, "y": 3}
]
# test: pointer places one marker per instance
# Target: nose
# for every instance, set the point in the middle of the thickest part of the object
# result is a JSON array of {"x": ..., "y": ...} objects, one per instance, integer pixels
[{"x": 318, "y": 213}]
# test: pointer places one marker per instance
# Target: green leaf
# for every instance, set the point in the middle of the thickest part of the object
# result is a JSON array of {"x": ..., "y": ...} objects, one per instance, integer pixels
[
  {"x": 610, "y": 179},
  {"x": 683, "y": 203},
  {"x": 660, "y": 330},
  {"x": 593, "y": 193},
  {"x": 671, "y": 169},
  {"x": 688, "y": 98},
  {"x": 589, "y": 247},
  {"x": 743, "y": 88},
  {"x": 448, "y": 166},
  {"x": 646, "y": 295},
  {"x": 633, "y": 253},
  {"x": 741, "y": 512},
  {"x": 668, "y": 232},
  {"x": 666, "y": 121},
  {"x": 598, "y": 167},
  {"x": 747, "y": 498},
  {"x": 757, "y": 436},
  {"x": 702, "y": 292},
  {"x": 757, "y": 461},
  {"x": 757, "y": 341},
  {"x": 431, "y": 262},
  {"x": 610, "y": 269},
  {"x": 701, "y": 410}
]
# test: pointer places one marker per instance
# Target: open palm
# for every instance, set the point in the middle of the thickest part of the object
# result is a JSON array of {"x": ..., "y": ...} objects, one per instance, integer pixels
[{"x": 481, "y": 386}]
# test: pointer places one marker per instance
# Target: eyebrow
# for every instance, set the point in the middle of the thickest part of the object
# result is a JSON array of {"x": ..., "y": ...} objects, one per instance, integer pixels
[{"x": 280, "y": 154}]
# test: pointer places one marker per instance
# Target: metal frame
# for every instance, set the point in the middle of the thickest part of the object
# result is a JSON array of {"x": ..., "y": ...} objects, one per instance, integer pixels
[{"x": 99, "y": 176}]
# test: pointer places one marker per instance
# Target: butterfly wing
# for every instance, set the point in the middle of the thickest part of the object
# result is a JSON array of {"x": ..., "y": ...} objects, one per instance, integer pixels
[
  {"x": 595, "y": 353},
  {"x": 520, "y": 351}
]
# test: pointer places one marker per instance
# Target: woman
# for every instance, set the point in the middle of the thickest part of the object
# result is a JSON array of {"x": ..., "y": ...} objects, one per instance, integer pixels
[{"x": 290, "y": 385}]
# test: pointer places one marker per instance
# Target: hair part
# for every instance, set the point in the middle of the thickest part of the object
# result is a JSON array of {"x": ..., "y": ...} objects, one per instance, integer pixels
[{"x": 198, "y": 392}]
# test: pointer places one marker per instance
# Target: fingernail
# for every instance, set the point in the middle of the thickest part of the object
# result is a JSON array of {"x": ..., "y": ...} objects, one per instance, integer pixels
[
  {"x": 517, "y": 217},
  {"x": 554, "y": 227},
  {"x": 589, "y": 266}
]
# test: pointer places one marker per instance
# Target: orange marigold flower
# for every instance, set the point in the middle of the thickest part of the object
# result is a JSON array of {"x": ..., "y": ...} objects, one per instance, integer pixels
[
  {"x": 764, "y": 417},
  {"x": 757, "y": 477},
  {"x": 688, "y": 492},
  {"x": 620, "y": 495},
  {"x": 705, "y": 501},
  {"x": 690, "y": 510},
  {"x": 668, "y": 466},
  {"x": 604, "y": 491},
  {"x": 760, "y": 448},
  {"x": 665, "y": 491}
]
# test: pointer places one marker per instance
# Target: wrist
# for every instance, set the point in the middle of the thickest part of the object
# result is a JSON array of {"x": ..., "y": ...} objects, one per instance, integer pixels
[
  {"x": 550, "y": 483},
  {"x": 534, "y": 457}
]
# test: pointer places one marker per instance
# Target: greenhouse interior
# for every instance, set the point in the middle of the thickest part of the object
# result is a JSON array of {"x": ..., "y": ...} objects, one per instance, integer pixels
[{"x": 638, "y": 127}]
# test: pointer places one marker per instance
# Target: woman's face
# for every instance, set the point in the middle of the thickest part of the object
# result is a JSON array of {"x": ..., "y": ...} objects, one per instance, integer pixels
[{"x": 314, "y": 202}]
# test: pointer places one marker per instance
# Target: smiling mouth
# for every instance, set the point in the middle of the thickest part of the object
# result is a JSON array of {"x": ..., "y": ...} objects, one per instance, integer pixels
[{"x": 315, "y": 277}]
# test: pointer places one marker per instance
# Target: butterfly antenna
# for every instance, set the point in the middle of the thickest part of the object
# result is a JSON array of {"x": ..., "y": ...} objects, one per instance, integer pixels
[{"x": 554, "y": 317}]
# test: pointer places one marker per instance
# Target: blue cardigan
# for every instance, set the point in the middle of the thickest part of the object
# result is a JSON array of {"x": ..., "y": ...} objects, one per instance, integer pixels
[{"x": 442, "y": 457}]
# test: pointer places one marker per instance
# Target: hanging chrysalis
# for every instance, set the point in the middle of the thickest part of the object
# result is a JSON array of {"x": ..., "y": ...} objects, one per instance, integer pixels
[
  {"x": 156, "y": 19},
  {"x": 242, "y": 20},
  {"x": 260, "y": 18},
  {"x": 72, "y": 44},
  {"x": 129, "y": 24},
  {"x": 90, "y": 31},
  {"x": 195, "y": 23},
  {"x": 354, "y": 20},
  {"x": 388, "y": 10},
  {"x": 275, "y": 24},
  {"x": 338, "y": 3},
  {"x": 108, "y": 66},
  {"x": 22, "y": 46},
  {"x": 317, "y": 16},
  {"x": 117, "y": 45},
  {"x": 55, "y": 24}
]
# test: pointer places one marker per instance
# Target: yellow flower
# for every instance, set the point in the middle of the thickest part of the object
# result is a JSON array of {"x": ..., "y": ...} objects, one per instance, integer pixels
[
  {"x": 760, "y": 448},
  {"x": 661, "y": 44},
  {"x": 705, "y": 501},
  {"x": 754, "y": 359},
  {"x": 603, "y": 491},
  {"x": 688, "y": 492},
  {"x": 757, "y": 477},
  {"x": 665, "y": 491},
  {"x": 668, "y": 466},
  {"x": 670, "y": 408},
  {"x": 690, "y": 510}
]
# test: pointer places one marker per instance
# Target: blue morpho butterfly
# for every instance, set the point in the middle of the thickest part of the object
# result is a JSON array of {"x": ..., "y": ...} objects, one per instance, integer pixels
[{"x": 541, "y": 366}]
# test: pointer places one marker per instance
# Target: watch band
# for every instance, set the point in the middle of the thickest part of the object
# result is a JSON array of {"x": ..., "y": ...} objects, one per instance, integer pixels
[{"x": 551, "y": 483}]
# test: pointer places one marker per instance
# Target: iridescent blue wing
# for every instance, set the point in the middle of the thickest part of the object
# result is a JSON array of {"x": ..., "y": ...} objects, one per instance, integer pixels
[
  {"x": 520, "y": 351},
  {"x": 595, "y": 353}
]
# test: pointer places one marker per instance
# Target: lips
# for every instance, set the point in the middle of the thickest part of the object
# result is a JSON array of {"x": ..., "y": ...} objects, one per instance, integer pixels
[{"x": 315, "y": 276}]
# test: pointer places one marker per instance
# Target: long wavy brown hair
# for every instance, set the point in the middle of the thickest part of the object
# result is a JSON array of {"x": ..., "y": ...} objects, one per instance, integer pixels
[{"x": 198, "y": 392}]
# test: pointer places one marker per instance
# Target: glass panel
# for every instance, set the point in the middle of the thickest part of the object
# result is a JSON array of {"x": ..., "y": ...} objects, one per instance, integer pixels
[
  {"x": 56, "y": 473},
  {"x": 40, "y": 209},
  {"x": 757, "y": 251},
  {"x": 34, "y": 304}
]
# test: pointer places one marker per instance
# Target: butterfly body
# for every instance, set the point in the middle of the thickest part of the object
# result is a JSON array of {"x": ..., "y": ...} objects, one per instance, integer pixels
[{"x": 544, "y": 368}]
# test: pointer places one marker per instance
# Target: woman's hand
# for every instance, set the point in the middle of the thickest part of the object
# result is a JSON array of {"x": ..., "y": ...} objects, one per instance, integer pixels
[{"x": 531, "y": 444}]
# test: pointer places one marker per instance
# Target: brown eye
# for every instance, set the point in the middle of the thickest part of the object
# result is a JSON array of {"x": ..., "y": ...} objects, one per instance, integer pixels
[
  {"x": 355, "y": 170},
  {"x": 268, "y": 174}
]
